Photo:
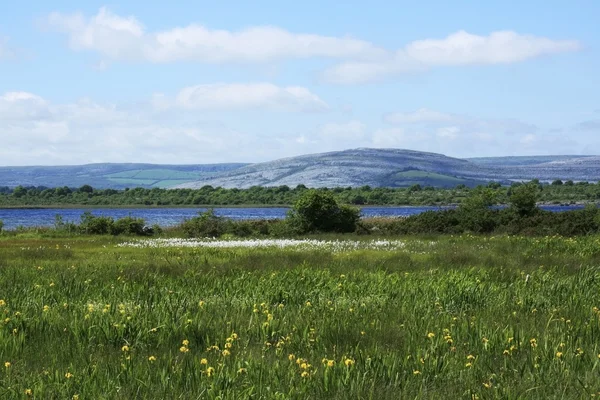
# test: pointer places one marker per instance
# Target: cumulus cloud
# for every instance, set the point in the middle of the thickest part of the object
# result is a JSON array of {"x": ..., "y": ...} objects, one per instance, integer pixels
[
  {"x": 37, "y": 131},
  {"x": 248, "y": 96},
  {"x": 460, "y": 48},
  {"x": 125, "y": 38}
]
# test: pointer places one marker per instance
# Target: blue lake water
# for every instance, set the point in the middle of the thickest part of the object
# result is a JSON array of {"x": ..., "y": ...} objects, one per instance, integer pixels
[{"x": 13, "y": 218}]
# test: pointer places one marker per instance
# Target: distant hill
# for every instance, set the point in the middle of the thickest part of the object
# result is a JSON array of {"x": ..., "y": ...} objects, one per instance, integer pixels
[
  {"x": 357, "y": 167},
  {"x": 116, "y": 176},
  {"x": 373, "y": 167}
]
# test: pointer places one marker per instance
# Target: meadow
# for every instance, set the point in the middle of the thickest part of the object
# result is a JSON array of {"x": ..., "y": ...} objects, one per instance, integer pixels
[{"x": 335, "y": 317}]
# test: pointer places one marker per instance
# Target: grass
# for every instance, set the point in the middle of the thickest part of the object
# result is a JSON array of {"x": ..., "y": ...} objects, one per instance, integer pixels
[{"x": 440, "y": 317}]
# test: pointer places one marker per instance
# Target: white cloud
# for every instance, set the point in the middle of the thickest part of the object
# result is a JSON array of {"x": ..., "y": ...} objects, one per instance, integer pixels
[
  {"x": 467, "y": 136},
  {"x": 36, "y": 131},
  {"x": 460, "y": 48},
  {"x": 352, "y": 130},
  {"x": 125, "y": 38},
  {"x": 22, "y": 106},
  {"x": 448, "y": 132},
  {"x": 248, "y": 96}
]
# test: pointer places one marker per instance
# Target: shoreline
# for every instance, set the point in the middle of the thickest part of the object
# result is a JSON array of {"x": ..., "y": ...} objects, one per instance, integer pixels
[{"x": 207, "y": 206}]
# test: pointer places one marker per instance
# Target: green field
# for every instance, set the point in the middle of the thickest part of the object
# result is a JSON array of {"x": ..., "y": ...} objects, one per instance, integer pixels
[
  {"x": 438, "y": 317},
  {"x": 424, "y": 178}
]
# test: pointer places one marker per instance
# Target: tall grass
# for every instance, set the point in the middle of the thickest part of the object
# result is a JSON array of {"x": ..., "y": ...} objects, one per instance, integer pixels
[{"x": 442, "y": 317}]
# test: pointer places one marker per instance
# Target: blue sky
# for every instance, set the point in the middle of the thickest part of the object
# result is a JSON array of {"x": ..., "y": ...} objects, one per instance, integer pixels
[{"x": 200, "y": 82}]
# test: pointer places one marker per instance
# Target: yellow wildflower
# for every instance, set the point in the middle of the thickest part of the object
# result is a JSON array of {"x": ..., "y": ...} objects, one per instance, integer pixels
[
  {"x": 330, "y": 363},
  {"x": 68, "y": 375},
  {"x": 431, "y": 335},
  {"x": 242, "y": 371},
  {"x": 184, "y": 349},
  {"x": 291, "y": 357},
  {"x": 185, "y": 342},
  {"x": 2, "y": 303},
  {"x": 226, "y": 353},
  {"x": 559, "y": 354},
  {"x": 416, "y": 372},
  {"x": 349, "y": 362},
  {"x": 28, "y": 392},
  {"x": 7, "y": 364},
  {"x": 304, "y": 374},
  {"x": 210, "y": 371},
  {"x": 125, "y": 348},
  {"x": 204, "y": 361},
  {"x": 46, "y": 308},
  {"x": 151, "y": 358}
]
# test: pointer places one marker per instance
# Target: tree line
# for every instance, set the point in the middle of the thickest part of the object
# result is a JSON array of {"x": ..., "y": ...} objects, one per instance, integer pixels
[{"x": 555, "y": 192}]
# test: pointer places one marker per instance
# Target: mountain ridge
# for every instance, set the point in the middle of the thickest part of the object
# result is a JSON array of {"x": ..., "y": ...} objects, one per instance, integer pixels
[{"x": 352, "y": 167}]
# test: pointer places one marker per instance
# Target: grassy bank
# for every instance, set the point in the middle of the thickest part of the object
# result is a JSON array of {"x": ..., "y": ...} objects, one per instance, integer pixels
[{"x": 430, "y": 317}]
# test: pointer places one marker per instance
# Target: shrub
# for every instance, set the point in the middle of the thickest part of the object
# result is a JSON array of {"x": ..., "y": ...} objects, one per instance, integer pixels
[
  {"x": 1, "y": 225},
  {"x": 523, "y": 199},
  {"x": 92, "y": 225},
  {"x": 206, "y": 224},
  {"x": 130, "y": 226},
  {"x": 319, "y": 211}
]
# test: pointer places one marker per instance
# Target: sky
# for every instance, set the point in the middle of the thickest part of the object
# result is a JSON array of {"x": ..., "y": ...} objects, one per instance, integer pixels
[{"x": 189, "y": 82}]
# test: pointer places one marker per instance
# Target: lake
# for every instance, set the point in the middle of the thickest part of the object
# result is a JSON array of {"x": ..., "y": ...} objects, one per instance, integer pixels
[{"x": 172, "y": 216}]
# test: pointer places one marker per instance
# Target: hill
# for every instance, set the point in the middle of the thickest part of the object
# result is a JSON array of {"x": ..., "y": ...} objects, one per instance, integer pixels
[
  {"x": 356, "y": 167},
  {"x": 116, "y": 176}
]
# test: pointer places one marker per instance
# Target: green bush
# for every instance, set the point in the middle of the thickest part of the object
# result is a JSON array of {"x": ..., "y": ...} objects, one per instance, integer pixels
[
  {"x": 319, "y": 211},
  {"x": 206, "y": 224},
  {"x": 1, "y": 225},
  {"x": 129, "y": 226},
  {"x": 92, "y": 225},
  {"x": 523, "y": 198}
]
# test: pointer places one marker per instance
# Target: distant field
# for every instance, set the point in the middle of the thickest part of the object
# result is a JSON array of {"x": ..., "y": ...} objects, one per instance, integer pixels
[
  {"x": 424, "y": 178},
  {"x": 440, "y": 318}
]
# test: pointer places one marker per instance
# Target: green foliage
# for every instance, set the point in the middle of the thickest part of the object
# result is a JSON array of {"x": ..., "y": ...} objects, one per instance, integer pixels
[
  {"x": 1, "y": 225},
  {"x": 523, "y": 199},
  {"x": 206, "y": 224},
  {"x": 93, "y": 225},
  {"x": 479, "y": 199},
  {"x": 211, "y": 196},
  {"x": 129, "y": 226},
  {"x": 485, "y": 220},
  {"x": 103, "y": 225},
  {"x": 319, "y": 211}
]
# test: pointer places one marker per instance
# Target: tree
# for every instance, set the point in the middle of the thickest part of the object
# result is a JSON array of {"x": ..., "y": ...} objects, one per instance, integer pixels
[
  {"x": 557, "y": 182},
  {"x": 480, "y": 198},
  {"x": 319, "y": 211},
  {"x": 523, "y": 198},
  {"x": 1, "y": 225},
  {"x": 86, "y": 189},
  {"x": 19, "y": 191}
]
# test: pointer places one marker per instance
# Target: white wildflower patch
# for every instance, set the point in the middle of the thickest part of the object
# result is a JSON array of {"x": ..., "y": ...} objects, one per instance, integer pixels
[{"x": 300, "y": 244}]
